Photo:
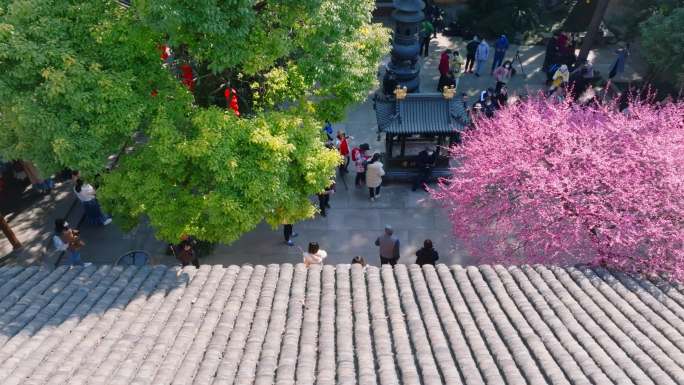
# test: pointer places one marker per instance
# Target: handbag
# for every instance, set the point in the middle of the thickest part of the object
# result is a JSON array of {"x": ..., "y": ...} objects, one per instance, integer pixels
[{"x": 395, "y": 255}]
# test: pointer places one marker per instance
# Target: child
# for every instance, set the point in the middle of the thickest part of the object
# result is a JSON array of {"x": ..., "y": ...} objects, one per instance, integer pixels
[{"x": 315, "y": 255}]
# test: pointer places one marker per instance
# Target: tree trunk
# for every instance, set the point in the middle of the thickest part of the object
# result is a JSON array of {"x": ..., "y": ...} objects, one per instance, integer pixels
[
  {"x": 593, "y": 29},
  {"x": 9, "y": 233}
]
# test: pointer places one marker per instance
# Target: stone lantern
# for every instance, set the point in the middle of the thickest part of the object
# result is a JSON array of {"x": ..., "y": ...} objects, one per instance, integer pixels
[{"x": 404, "y": 66}]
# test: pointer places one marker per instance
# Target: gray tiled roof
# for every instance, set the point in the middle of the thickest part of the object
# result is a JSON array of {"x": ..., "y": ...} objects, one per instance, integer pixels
[
  {"x": 284, "y": 324},
  {"x": 425, "y": 113}
]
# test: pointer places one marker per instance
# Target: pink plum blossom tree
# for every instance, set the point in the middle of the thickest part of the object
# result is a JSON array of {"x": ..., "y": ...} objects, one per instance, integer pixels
[{"x": 559, "y": 183}]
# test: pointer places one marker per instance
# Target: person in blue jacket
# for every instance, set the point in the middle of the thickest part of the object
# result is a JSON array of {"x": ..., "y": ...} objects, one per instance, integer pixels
[{"x": 500, "y": 48}]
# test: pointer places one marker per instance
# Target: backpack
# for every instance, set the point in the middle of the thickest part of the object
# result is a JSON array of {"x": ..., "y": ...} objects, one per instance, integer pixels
[{"x": 355, "y": 154}]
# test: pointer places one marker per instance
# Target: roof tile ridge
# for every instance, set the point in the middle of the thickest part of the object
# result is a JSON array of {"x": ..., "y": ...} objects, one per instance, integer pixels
[
  {"x": 188, "y": 368},
  {"x": 522, "y": 357},
  {"x": 565, "y": 349},
  {"x": 287, "y": 361},
  {"x": 126, "y": 287},
  {"x": 260, "y": 292},
  {"x": 404, "y": 354},
  {"x": 436, "y": 335},
  {"x": 188, "y": 331},
  {"x": 522, "y": 327},
  {"x": 326, "y": 363},
  {"x": 62, "y": 323},
  {"x": 87, "y": 348},
  {"x": 165, "y": 337},
  {"x": 623, "y": 315},
  {"x": 305, "y": 372},
  {"x": 623, "y": 350},
  {"x": 662, "y": 312},
  {"x": 460, "y": 346},
  {"x": 486, "y": 363},
  {"x": 496, "y": 345},
  {"x": 387, "y": 370},
  {"x": 14, "y": 305},
  {"x": 270, "y": 350},
  {"x": 363, "y": 337},
  {"x": 600, "y": 346},
  {"x": 36, "y": 316}
]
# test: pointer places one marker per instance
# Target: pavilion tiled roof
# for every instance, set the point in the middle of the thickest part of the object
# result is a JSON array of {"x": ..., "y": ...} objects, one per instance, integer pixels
[
  {"x": 423, "y": 113},
  {"x": 285, "y": 324}
]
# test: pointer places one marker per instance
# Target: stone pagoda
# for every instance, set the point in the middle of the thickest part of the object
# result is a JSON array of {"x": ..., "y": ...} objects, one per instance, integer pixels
[{"x": 404, "y": 67}]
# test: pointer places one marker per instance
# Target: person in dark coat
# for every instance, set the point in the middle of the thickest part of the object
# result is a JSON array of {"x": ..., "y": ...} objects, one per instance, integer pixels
[
  {"x": 427, "y": 255},
  {"x": 471, "y": 49},
  {"x": 389, "y": 84},
  {"x": 425, "y": 162},
  {"x": 186, "y": 253},
  {"x": 551, "y": 52},
  {"x": 324, "y": 198},
  {"x": 447, "y": 80},
  {"x": 502, "y": 97}
]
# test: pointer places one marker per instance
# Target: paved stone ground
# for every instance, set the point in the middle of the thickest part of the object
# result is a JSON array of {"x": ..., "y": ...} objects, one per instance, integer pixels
[{"x": 353, "y": 223}]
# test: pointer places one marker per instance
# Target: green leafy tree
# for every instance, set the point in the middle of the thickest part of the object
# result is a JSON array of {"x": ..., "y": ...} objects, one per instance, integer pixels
[
  {"x": 624, "y": 17},
  {"x": 82, "y": 80},
  {"x": 490, "y": 18},
  {"x": 661, "y": 37}
]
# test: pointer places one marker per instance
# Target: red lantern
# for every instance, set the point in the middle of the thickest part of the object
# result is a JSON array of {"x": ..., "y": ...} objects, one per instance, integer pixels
[{"x": 232, "y": 100}]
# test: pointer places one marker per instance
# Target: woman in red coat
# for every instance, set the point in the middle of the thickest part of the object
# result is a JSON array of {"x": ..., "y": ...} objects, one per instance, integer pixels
[{"x": 444, "y": 63}]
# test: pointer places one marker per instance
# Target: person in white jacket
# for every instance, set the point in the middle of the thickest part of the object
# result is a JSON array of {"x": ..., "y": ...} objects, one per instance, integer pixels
[
  {"x": 87, "y": 195},
  {"x": 315, "y": 255},
  {"x": 374, "y": 174},
  {"x": 481, "y": 56}
]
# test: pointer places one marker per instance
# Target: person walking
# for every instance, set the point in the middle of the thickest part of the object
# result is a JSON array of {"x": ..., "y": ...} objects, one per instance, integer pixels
[
  {"x": 343, "y": 147},
  {"x": 86, "y": 194},
  {"x": 328, "y": 130},
  {"x": 388, "y": 246},
  {"x": 471, "y": 49},
  {"x": 324, "y": 199},
  {"x": 68, "y": 240},
  {"x": 443, "y": 69},
  {"x": 502, "y": 74},
  {"x": 315, "y": 255},
  {"x": 444, "y": 62},
  {"x": 551, "y": 52},
  {"x": 360, "y": 156},
  {"x": 288, "y": 232},
  {"x": 618, "y": 67},
  {"x": 374, "y": 174},
  {"x": 481, "y": 56},
  {"x": 426, "y": 30},
  {"x": 500, "y": 48},
  {"x": 456, "y": 67},
  {"x": 427, "y": 255}
]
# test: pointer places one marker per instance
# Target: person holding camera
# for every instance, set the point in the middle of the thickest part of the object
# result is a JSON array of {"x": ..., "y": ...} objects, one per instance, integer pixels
[{"x": 68, "y": 240}]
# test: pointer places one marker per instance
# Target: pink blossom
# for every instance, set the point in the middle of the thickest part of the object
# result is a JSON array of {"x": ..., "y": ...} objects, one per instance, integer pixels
[{"x": 558, "y": 183}]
